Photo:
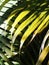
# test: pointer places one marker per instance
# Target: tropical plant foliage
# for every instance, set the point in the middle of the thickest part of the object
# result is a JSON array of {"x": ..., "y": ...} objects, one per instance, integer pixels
[{"x": 24, "y": 32}]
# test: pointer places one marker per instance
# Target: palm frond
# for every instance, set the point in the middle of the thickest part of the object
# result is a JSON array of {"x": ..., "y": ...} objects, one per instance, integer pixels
[
  {"x": 23, "y": 22},
  {"x": 43, "y": 55}
]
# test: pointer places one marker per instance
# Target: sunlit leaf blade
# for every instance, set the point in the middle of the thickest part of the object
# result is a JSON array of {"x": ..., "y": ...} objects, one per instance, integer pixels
[
  {"x": 43, "y": 27},
  {"x": 4, "y": 3},
  {"x": 9, "y": 18},
  {"x": 31, "y": 28},
  {"x": 17, "y": 20},
  {"x": 22, "y": 26},
  {"x": 44, "y": 40},
  {"x": 40, "y": 27},
  {"x": 43, "y": 55},
  {"x": 42, "y": 24},
  {"x": 6, "y": 22},
  {"x": 20, "y": 16}
]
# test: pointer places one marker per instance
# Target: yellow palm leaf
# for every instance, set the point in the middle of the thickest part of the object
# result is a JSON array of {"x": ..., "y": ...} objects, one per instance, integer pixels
[
  {"x": 43, "y": 55},
  {"x": 31, "y": 28}
]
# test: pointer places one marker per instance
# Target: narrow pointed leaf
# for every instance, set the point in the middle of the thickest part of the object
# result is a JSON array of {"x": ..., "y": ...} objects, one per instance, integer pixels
[
  {"x": 43, "y": 55},
  {"x": 20, "y": 16},
  {"x": 31, "y": 28}
]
